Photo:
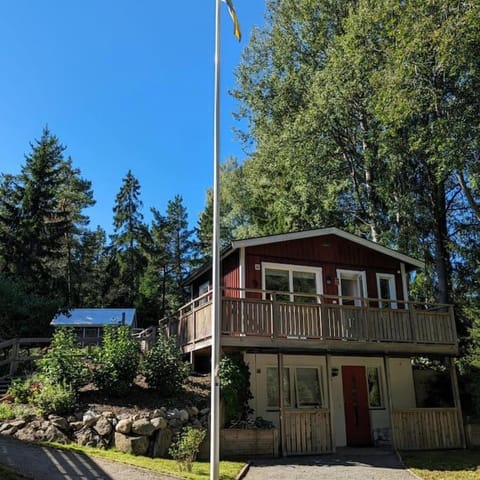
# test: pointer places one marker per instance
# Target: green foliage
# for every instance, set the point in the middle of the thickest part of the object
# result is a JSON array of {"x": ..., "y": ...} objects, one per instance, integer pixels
[
  {"x": 22, "y": 312},
  {"x": 235, "y": 388},
  {"x": 62, "y": 363},
  {"x": 117, "y": 360},
  {"x": 54, "y": 398},
  {"x": 185, "y": 449},
  {"x": 7, "y": 411},
  {"x": 23, "y": 389},
  {"x": 163, "y": 366}
]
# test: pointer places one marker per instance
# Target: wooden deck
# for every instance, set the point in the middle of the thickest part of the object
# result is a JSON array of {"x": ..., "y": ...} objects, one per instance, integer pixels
[{"x": 261, "y": 322}]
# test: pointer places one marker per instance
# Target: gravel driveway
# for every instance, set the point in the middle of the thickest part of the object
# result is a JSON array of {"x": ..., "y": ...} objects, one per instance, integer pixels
[{"x": 346, "y": 464}]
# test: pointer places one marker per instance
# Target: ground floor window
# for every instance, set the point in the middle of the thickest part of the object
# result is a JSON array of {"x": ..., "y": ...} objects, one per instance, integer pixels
[{"x": 301, "y": 387}]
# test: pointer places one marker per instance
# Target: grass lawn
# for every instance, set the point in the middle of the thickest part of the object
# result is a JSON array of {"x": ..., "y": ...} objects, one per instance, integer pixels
[
  {"x": 200, "y": 470},
  {"x": 444, "y": 465}
]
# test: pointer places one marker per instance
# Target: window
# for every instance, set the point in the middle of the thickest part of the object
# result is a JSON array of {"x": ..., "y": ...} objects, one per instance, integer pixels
[
  {"x": 386, "y": 290},
  {"x": 308, "y": 387},
  {"x": 352, "y": 287},
  {"x": 306, "y": 391},
  {"x": 273, "y": 399},
  {"x": 204, "y": 288},
  {"x": 375, "y": 399},
  {"x": 292, "y": 279}
]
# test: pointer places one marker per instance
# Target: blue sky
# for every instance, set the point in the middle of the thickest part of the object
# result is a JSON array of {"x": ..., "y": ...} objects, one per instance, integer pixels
[{"x": 125, "y": 85}]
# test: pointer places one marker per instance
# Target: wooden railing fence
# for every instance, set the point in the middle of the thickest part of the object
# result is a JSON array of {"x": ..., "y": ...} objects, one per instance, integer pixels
[{"x": 260, "y": 313}]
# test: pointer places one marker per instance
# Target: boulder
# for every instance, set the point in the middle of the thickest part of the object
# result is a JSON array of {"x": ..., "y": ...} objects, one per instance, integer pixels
[
  {"x": 159, "y": 423},
  {"x": 59, "y": 422},
  {"x": 136, "y": 445},
  {"x": 158, "y": 413},
  {"x": 142, "y": 427},
  {"x": 87, "y": 436},
  {"x": 161, "y": 443},
  {"x": 103, "y": 426},
  {"x": 55, "y": 435},
  {"x": 183, "y": 416},
  {"x": 90, "y": 418},
  {"x": 124, "y": 426}
]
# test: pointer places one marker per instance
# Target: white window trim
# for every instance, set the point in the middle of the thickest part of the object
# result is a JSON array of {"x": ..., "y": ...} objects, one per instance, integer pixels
[
  {"x": 293, "y": 268},
  {"x": 392, "y": 285},
  {"x": 352, "y": 275}
]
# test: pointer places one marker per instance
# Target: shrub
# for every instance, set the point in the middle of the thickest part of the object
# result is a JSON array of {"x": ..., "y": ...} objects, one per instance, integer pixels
[
  {"x": 7, "y": 412},
  {"x": 163, "y": 366},
  {"x": 235, "y": 388},
  {"x": 62, "y": 363},
  {"x": 185, "y": 449},
  {"x": 117, "y": 361},
  {"x": 22, "y": 389},
  {"x": 55, "y": 398}
]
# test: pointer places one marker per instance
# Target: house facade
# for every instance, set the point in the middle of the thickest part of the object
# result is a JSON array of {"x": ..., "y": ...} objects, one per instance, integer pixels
[{"x": 325, "y": 314}]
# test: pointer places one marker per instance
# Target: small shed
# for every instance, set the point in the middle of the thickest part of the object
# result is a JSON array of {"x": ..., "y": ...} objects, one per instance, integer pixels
[{"x": 89, "y": 322}]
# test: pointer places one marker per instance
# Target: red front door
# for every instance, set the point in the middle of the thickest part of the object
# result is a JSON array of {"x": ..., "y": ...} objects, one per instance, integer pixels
[{"x": 355, "y": 397}]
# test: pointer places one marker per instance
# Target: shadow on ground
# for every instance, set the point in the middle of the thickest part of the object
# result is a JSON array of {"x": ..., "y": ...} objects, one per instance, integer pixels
[{"x": 43, "y": 463}]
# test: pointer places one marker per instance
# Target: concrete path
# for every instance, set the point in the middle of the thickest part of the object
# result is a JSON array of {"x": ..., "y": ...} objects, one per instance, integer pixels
[
  {"x": 44, "y": 463},
  {"x": 346, "y": 464}
]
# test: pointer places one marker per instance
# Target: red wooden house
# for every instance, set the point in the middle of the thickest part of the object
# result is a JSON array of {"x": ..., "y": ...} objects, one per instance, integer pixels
[{"x": 329, "y": 310}]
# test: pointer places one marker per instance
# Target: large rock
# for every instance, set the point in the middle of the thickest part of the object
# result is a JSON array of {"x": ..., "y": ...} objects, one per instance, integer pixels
[
  {"x": 124, "y": 426},
  {"x": 90, "y": 418},
  {"x": 89, "y": 437},
  {"x": 30, "y": 433},
  {"x": 142, "y": 427},
  {"x": 161, "y": 443},
  {"x": 137, "y": 445},
  {"x": 159, "y": 423},
  {"x": 103, "y": 426},
  {"x": 59, "y": 422},
  {"x": 55, "y": 435},
  {"x": 183, "y": 416}
]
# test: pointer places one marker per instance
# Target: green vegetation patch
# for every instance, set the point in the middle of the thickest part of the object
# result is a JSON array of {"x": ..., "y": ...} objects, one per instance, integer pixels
[
  {"x": 200, "y": 470},
  {"x": 444, "y": 465}
]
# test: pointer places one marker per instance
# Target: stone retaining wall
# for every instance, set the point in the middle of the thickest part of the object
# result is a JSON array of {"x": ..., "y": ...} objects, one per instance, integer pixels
[{"x": 148, "y": 434}]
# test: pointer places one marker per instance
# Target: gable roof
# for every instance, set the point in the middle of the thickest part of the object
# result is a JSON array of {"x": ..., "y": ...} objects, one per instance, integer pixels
[
  {"x": 95, "y": 317},
  {"x": 285, "y": 237}
]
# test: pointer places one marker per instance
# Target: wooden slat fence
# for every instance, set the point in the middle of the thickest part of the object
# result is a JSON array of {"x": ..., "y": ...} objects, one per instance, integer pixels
[
  {"x": 426, "y": 429},
  {"x": 307, "y": 432}
]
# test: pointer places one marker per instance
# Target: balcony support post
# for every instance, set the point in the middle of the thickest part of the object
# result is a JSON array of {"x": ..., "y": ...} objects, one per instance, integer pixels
[
  {"x": 456, "y": 399},
  {"x": 282, "y": 403},
  {"x": 388, "y": 382},
  {"x": 328, "y": 359}
]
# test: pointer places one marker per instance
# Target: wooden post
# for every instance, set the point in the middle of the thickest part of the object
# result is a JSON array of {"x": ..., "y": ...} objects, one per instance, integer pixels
[
  {"x": 282, "y": 403},
  {"x": 330, "y": 402},
  {"x": 14, "y": 357},
  {"x": 389, "y": 397},
  {"x": 456, "y": 400}
]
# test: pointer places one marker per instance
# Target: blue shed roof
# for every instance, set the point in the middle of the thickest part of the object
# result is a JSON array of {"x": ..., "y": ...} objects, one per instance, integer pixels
[{"x": 95, "y": 317}]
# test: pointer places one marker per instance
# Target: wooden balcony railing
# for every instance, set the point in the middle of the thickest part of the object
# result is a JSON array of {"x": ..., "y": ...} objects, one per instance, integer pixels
[{"x": 260, "y": 313}]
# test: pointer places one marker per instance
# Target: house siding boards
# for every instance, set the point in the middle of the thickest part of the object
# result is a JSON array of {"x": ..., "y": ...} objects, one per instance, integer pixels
[{"x": 330, "y": 253}]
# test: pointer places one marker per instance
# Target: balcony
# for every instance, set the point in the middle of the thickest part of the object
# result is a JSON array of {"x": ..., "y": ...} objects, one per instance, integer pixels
[{"x": 264, "y": 319}]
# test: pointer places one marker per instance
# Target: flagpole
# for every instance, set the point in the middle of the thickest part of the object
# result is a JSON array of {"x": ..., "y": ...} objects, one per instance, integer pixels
[{"x": 216, "y": 294}]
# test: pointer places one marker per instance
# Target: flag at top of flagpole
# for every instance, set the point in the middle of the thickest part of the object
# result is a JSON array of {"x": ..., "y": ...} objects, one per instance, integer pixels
[{"x": 233, "y": 14}]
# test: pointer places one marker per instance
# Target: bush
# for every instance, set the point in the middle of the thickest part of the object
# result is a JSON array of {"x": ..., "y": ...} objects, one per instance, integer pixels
[
  {"x": 7, "y": 412},
  {"x": 55, "y": 398},
  {"x": 163, "y": 366},
  {"x": 63, "y": 363},
  {"x": 185, "y": 449},
  {"x": 235, "y": 388},
  {"x": 117, "y": 361},
  {"x": 22, "y": 390}
]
